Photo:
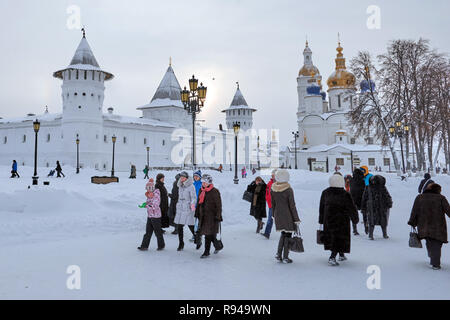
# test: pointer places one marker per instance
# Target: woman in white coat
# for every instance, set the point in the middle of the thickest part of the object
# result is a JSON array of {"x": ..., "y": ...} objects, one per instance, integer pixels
[{"x": 187, "y": 200}]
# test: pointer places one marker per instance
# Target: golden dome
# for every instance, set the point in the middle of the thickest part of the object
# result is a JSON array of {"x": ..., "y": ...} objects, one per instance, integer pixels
[
  {"x": 307, "y": 70},
  {"x": 341, "y": 78}
]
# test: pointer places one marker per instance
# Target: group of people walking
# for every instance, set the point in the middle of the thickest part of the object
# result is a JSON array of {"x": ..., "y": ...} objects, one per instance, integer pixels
[
  {"x": 58, "y": 170},
  {"x": 195, "y": 203},
  {"x": 338, "y": 212}
]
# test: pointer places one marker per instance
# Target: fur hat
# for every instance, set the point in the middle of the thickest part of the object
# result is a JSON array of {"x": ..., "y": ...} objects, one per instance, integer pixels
[
  {"x": 337, "y": 181},
  {"x": 184, "y": 174},
  {"x": 282, "y": 175},
  {"x": 207, "y": 178},
  {"x": 198, "y": 173}
]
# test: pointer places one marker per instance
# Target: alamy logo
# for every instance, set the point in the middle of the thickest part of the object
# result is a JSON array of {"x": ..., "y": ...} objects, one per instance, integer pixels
[
  {"x": 374, "y": 280},
  {"x": 74, "y": 19},
  {"x": 374, "y": 20},
  {"x": 74, "y": 280}
]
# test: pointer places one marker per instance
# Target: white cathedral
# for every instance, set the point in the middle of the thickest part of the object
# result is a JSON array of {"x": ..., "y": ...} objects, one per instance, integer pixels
[
  {"x": 325, "y": 138},
  {"x": 83, "y": 117}
]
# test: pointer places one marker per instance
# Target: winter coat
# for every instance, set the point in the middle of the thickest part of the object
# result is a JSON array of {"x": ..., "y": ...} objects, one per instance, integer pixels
[
  {"x": 376, "y": 202},
  {"x": 198, "y": 186},
  {"x": 14, "y": 166},
  {"x": 284, "y": 211},
  {"x": 186, "y": 198},
  {"x": 259, "y": 210},
  {"x": 153, "y": 209},
  {"x": 164, "y": 204},
  {"x": 425, "y": 183},
  {"x": 209, "y": 213},
  {"x": 336, "y": 210},
  {"x": 357, "y": 187},
  {"x": 268, "y": 198},
  {"x": 173, "y": 200},
  {"x": 428, "y": 215},
  {"x": 58, "y": 167}
]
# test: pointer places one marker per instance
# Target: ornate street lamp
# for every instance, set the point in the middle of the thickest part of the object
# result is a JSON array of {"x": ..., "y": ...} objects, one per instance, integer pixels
[
  {"x": 114, "y": 139},
  {"x": 77, "y": 141},
  {"x": 193, "y": 100},
  {"x": 236, "y": 128},
  {"x": 296, "y": 135},
  {"x": 36, "y": 127}
]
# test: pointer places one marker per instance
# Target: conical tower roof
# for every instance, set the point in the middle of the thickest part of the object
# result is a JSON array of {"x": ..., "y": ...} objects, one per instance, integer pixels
[
  {"x": 83, "y": 59},
  {"x": 239, "y": 101},
  {"x": 168, "y": 92}
]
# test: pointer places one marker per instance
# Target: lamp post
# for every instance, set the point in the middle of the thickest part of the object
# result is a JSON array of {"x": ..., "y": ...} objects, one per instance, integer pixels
[
  {"x": 193, "y": 100},
  {"x": 400, "y": 130},
  {"x": 114, "y": 138},
  {"x": 259, "y": 160},
  {"x": 296, "y": 135},
  {"x": 77, "y": 141},
  {"x": 36, "y": 126},
  {"x": 236, "y": 128},
  {"x": 148, "y": 157}
]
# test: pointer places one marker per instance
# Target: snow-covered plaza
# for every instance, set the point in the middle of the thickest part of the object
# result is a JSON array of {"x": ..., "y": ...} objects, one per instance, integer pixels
[{"x": 72, "y": 222}]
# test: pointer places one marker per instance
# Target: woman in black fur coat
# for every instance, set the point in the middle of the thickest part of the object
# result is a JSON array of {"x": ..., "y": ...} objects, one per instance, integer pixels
[{"x": 376, "y": 203}]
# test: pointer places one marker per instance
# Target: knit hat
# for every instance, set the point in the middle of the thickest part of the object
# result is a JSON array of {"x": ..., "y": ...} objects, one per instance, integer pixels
[
  {"x": 150, "y": 186},
  {"x": 337, "y": 181},
  {"x": 365, "y": 170},
  {"x": 282, "y": 175},
  {"x": 184, "y": 174},
  {"x": 198, "y": 173},
  {"x": 207, "y": 178}
]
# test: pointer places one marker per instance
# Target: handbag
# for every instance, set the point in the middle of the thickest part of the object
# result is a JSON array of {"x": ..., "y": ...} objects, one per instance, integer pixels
[
  {"x": 247, "y": 196},
  {"x": 414, "y": 241},
  {"x": 296, "y": 242},
  {"x": 320, "y": 235},
  {"x": 218, "y": 245}
]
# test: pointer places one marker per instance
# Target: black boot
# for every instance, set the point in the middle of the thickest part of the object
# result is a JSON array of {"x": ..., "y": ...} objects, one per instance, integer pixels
[
  {"x": 180, "y": 246},
  {"x": 384, "y": 232},
  {"x": 371, "y": 233},
  {"x": 355, "y": 229},
  {"x": 286, "y": 259},
  {"x": 280, "y": 248}
]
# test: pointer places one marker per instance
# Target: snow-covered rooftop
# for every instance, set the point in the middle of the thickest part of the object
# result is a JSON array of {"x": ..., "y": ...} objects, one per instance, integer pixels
[
  {"x": 350, "y": 147},
  {"x": 45, "y": 117},
  {"x": 168, "y": 92},
  {"x": 134, "y": 120}
]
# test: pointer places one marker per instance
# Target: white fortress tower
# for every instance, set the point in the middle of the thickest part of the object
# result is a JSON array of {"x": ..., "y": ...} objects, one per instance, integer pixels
[
  {"x": 82, "y": 95},
  {"x": 239, "y": 111}
]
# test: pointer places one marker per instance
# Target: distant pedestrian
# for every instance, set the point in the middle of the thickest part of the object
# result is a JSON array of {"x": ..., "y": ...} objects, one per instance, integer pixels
[
  {"x": 244, "y": 173},
  {"x": 258, "y": 204},
  {"x": 153, "y": 218},
  {"x": 14, "y": 172},
  {"x": 146, "y": 170},
  {"x": 428, "y": 215},
  {"x": 376, "y": 203},
  {"x": 284, "y": 213},
  {"x": 269, "y": 225},
  {"x": 209, "y": 214},
  {"x": 59, "y": 170},
  {"x": 425, "y": 182},
  {"x": 133, "y": 172},
  {"x": 335, "y": 213}
]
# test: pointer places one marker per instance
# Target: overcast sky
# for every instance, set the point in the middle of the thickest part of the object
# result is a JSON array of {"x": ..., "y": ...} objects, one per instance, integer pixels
[{"x": 256, "y": 42}]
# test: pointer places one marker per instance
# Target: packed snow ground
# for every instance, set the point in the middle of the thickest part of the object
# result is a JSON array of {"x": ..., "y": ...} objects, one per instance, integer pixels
[{"x": 43, "y": 230}]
